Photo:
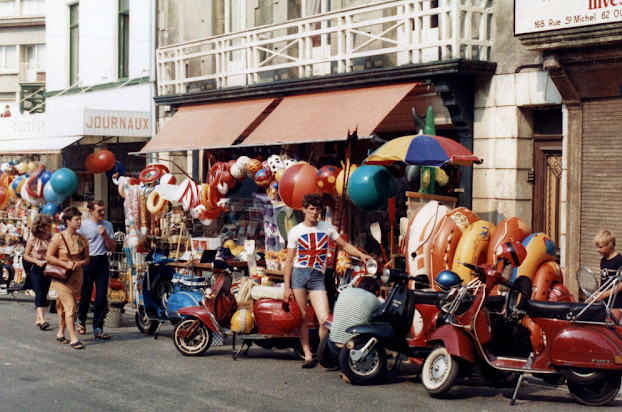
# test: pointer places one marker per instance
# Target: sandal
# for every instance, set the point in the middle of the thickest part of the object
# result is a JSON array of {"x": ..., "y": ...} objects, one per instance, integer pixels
[
  {"x": 44, "y": 326},
  {"x": 76, "y": 345},
  {"x": 309, "y": 364},
  {"x": 62, "y": 339},
  {"x": 80, "y": 328},
  {"x": 102, "y": 335}
]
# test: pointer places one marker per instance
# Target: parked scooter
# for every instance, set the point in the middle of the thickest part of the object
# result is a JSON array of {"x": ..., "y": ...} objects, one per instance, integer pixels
[
  {"x": 583, "y": 341},
  {"x": 276, "y": 321}
]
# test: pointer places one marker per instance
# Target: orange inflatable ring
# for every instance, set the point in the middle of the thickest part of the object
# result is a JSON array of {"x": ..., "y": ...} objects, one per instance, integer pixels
[
  {"x": 155, "y": 202},
  {"x": 205, "y": 189},
  {"x": 150, "y": 174}
]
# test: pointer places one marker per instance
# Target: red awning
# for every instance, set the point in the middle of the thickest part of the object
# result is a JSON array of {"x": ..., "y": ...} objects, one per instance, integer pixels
[
  {"x": 328, "y": 116},
  {"x": 208, "y": 126}
]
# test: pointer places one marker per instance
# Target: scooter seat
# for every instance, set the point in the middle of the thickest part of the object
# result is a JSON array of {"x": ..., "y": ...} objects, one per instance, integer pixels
[
  {"x": 566, "y": 311},
  {"x": 427, "y": 297}
]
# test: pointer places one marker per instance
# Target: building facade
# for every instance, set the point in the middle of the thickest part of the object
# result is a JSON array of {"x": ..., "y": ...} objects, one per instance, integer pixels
[{"x": 490, "y": 90}]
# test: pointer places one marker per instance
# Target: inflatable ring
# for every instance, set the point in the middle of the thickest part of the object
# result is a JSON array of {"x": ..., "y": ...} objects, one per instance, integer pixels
[
  {"x": 150, "y": 174},
  {"x": 159, "y": 166},
  {"x": 155, "y": 202},
  {"x": 205, "y": 191},
  {"x": 31, "y": 181}
]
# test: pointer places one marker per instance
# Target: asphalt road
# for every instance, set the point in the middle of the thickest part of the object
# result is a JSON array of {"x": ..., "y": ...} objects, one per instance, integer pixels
[{"x": 135, "y": 372}]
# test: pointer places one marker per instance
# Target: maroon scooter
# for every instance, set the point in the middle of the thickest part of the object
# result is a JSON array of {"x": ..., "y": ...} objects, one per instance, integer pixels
[
  {"x": 276, "y": 321},
  {"x": 583, "y": 341}
]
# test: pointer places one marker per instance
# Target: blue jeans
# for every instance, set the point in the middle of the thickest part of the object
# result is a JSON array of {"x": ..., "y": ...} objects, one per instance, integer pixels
[
  {"x": 41, "y": 286},
  {"x": 96, "y": 272},
  {"x": 307, "y": 278}
]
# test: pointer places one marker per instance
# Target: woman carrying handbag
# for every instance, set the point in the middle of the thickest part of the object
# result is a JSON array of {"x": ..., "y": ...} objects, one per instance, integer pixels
[
  {"x": 35, "y": 252},
  {"x": 70, "y": 250}
]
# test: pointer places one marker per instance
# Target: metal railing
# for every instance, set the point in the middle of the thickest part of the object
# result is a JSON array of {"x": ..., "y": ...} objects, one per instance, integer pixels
[
  {"x": 30, "y": 73},
  {"x": 382, "y": 34}
]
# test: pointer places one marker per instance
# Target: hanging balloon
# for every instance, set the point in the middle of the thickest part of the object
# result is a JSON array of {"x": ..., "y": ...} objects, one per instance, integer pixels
[
  {"x": 253, "y": 167},
  {"x": 238, "y": 171},
  {"x": 168, "y": 179},
  {"x": 105, "y": 160},
  {"x": 21, "y": 168},
  {"x": 17, "y": 185},
  {"x": 64, "y": 181},
  {"x": 297, "y": 181},
  {"x": 119, "y": 168},
  {"x": 6, "y": 180},
  {"x": 263, "y": 177},
  {"x": 327, "y": 178},
  {"x": 341, "y": 178},
  {"x": 370, "y": 187},
  {"x": 45, "y": 177},
  {"x": 26, "y": 196},
  {"x": 278, "y": 174},
  {"x": 51, "y": 196},
  {"x": 50, "y": 209}
]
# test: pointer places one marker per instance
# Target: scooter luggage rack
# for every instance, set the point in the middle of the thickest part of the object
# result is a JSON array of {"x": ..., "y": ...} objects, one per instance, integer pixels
[
  {"x": 451, "y": 307},
  {"x": 612, "y": 283}
]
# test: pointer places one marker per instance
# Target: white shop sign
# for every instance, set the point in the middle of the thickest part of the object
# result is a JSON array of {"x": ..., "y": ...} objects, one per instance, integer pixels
[
  {"x": 117, "y": 123},
  {"x": 532, "y": 16}
]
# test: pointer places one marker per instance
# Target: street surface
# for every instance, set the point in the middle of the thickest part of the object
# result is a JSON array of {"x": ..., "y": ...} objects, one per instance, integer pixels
[{"x": 135, "y": 372}]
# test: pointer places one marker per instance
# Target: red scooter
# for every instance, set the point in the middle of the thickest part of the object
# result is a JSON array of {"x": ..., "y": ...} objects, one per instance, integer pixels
[
  {"x": 583, "y": 341},
  {"x": 276, "y": 321}
]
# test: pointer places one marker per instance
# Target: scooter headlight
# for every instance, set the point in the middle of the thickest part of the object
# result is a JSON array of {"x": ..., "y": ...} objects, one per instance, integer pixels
[
  {"x": 386, "y": 274},
  {"x": 371, "y": 266}
]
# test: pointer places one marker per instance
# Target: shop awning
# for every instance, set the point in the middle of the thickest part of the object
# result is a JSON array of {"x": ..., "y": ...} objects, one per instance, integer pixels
[
  {"x": 38, "y": 145},
  {"x": 328, "y": 116},
  {"x": 208, "y": 126}
]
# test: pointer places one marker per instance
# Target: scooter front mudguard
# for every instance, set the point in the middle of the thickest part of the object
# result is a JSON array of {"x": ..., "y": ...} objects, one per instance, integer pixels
[
  {"x": 382, "y": 331},
  {"x": 456, "y": 341},
  {"x": 201, "y": 313}
]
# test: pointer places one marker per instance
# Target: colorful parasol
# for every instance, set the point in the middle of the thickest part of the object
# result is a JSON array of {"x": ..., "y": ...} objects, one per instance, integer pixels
[{"x": 423, "y": 150}]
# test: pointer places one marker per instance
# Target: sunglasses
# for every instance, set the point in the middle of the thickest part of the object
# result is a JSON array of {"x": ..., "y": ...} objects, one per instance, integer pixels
[{"x": 101, "y": 212}]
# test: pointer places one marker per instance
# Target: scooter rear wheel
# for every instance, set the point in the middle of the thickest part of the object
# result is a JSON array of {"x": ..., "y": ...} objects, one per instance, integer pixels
[
  {"x": 367, "y": 370},
  {"x": 439, "y": 372},
  {"x": 196, "y": 343},
  {"x": 599, "y": 392}
]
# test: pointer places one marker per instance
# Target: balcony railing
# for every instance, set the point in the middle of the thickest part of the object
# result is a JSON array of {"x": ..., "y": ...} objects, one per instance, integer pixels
[
  {"x": 30, "y": 73},
  {"x": 383, "y": 34}
]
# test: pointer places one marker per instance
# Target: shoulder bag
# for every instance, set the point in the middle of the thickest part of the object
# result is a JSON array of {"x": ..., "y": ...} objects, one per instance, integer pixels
[{"x": 58, "y": 272}]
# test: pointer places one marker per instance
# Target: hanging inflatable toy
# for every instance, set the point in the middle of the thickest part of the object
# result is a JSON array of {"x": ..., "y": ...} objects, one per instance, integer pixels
[
  {"x": 35, "y": 201},
  {"x": 4, "y": 197},
  {"x": 155, "y": 203},
  {"x": 297, "y": 181},
  {"x": 100, "y": 161},
  {"x": 152, "y": 173},
  {"x": 340, "y": 182},
  {"x": 22, "y": 168},
  {"x": 370, "y": 187},
  {"x": 188, "y": 195},
  {"x": 17, "y": 185},
  {"x": 118, "y": 169},
  {"x": 32, "y": 165},
  {"x": 33, "y": 185},
  {"x": 275, "y": 163},
  {"x": 64, "y": 181},
  {"x": 253, "y": 167},
  {"x": 6, "y": 180},
  {"x": 263, "y": 177},
  {"x": 327, "y": 178}
]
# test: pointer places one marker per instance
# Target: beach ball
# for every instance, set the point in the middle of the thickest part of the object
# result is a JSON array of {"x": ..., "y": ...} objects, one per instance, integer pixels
[
  {"x": 64, "y": 181},
  {"x": 238, "y": 171},
  {"x": 341, "y": 179},
  {"x": 278, "y": 174},
  {"x": 370, "y": 187},
  {"x": 263, "y": 177},
  {"x": 50, "y": 209},
  {"x": 17, "y": 185},
  {"x": 327, "y": 178},
  {"x": 22, "y": 168},
  {"x": 297, "y": 181},
  {"x": 253, "y": 167},
  {"x": 45, "y": 177},
  {"x": 51, "y": 196}
]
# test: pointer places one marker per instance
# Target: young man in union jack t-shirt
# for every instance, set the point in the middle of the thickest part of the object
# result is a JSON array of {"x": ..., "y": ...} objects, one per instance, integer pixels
[{"x": 307, "y": 249}]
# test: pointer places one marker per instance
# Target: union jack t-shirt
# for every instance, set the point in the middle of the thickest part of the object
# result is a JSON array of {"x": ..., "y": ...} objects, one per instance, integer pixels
[{"x": 311, "y": 244}]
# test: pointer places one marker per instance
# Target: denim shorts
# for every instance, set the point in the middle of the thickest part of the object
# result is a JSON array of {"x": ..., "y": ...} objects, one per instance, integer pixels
[{"x": 307, "y": 278}]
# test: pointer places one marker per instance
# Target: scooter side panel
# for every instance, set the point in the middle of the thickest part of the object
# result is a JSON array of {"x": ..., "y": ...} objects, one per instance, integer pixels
[
  {"x": 585, "y": 347},
  {"x": 201, "y": 313},
  {"x": 383, "y": 331},
  {"x": 457, "y": 342}
]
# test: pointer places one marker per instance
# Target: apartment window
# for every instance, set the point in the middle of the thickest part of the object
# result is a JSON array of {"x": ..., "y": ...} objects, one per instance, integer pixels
[
  {"x": 8, "y": 58},
  {"x": 35, "y": 56},
  {"x": 7, "y": 8},
  {"x": 74, "y": 42},
  {"x": 124, "y": 38},
  {"x": 33, "y": 7}
]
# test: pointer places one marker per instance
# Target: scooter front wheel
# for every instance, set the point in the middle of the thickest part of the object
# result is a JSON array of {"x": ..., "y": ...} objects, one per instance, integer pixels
[
  {"x": 143, "y": 323},
  {"x": 439, "y": 372},
  {"x": 192, "y": 337},
  {"x": 599, "y": 392},
  {"x": 367, "y": 370}
]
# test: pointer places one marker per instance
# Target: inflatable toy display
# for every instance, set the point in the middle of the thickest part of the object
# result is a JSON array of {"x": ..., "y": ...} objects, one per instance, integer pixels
[
  {"x": 446, "y": 237},
  {"x": 540, "y": 249},
  {"x": 370, "y": 187},
  {"x": 472, "y": 247},
  {"x": 509, "y": 229},
  {"x": 419, "y": 238},
  {"x": 297, "y": 181},
  {"x": 327, "y": 178}
]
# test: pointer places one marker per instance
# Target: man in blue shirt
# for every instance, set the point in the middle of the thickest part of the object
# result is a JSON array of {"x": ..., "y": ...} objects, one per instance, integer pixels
[{"x": 100, "y": 235}]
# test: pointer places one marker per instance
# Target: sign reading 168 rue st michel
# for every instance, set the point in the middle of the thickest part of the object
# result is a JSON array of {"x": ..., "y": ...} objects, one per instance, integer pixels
[{"x": 532, "y": 16}]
